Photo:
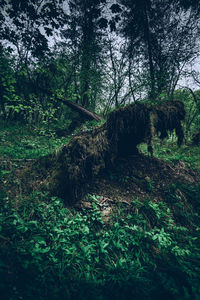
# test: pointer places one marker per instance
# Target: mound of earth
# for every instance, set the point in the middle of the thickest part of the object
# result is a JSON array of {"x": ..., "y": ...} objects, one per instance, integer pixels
[
  {"x": 138, "y": 177},
  {"x": 135, "y": 176},
  {"x": 142, "y": 177}
]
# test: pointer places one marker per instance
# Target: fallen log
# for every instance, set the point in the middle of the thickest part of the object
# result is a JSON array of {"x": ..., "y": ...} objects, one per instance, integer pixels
[
  {"x": 73, "y": 167},
  {"x": 87, "y": 114}
]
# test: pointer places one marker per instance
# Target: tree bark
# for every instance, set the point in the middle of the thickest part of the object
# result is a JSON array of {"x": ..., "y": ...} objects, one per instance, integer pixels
[{"x": 150, "y": 56}]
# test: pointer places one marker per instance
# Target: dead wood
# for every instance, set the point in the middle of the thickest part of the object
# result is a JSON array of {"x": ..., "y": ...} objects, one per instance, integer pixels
[
  {"x": 90, "y": 152},
  {"x": 167, "y": 117},
  {"x": 87, "y": 114}
]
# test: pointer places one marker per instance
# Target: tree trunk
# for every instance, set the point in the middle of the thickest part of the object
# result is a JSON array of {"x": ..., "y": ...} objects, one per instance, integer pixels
[
  {"x": 87, "y": 114},
  {"x": 150, "y": 56}
]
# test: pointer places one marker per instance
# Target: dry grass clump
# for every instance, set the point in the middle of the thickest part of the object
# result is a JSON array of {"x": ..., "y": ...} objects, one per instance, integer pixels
[{"x": 83, "y": 158}]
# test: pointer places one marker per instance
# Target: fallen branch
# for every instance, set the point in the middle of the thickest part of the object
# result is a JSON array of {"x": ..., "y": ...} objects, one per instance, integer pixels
[{"x": 87, "y": 114}]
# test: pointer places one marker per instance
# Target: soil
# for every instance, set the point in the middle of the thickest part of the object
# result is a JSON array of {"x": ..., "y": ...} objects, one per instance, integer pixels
[
  {"x": 140, "y": 176},
  {"x": 143, "y": 178}
]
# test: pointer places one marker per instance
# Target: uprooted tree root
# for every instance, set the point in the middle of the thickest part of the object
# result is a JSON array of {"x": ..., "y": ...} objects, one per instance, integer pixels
[
  {"x": 71, "y": 169},
  {"x": 196, "y": 138},
  {"x": 167, "y": 117}
]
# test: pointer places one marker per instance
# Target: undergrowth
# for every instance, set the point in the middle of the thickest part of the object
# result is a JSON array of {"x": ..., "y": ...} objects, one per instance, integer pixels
[
  {"x": 18, "y": 141},
  {"x": 169, "y": 151},
  {"x": 48, "y": 251}
]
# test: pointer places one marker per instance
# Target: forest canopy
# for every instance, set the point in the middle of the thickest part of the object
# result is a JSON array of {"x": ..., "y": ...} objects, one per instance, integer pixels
[{"x": 100, "y": 54}]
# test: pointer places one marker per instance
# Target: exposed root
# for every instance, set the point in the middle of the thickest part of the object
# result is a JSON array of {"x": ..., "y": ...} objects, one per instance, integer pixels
[
  {"x": 168, "y": 116},
  {"x": 90, "y": 152}
]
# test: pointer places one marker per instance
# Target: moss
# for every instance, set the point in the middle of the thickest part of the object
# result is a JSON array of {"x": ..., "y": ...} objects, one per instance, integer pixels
[
  {"x": 168, "y": 116},
  {"x": 196, "y": 138},
  {"x": 127, "y": 127}
]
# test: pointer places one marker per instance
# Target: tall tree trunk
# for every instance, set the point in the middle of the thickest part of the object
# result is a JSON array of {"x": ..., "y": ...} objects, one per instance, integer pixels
[
  {"x": 150, "y": 55},
  {"x": 85, "y": 75},
  {"x": 86, "y": 61}
]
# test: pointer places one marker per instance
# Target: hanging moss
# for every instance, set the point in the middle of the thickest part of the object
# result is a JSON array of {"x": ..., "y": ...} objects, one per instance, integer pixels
[
  {"x": 168, "y": 116},
  {"x": 196, "y": 138},
  {"x": 127, "y": 127}
]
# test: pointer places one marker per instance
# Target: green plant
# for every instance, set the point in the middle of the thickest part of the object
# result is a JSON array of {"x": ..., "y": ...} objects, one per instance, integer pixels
[{"x": 50, "y": 250}]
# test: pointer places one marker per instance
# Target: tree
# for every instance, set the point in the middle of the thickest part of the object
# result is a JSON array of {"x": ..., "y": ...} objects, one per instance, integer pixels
[
  {"x": 84, "y": 36},
  {"x": 191, "y": 100},
  {"x": 115, "y": 85},
  {"x": 161, "y": 34},
  {"x": 7, "y": 82},
  {"x": 28, "y": 24}
]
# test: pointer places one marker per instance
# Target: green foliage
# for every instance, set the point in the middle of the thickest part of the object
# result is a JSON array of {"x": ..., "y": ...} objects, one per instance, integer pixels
[
  {"x": 7, "y": 81},
  {"x": 169, "y": 151},
  {"x": 49, "y": 251},
  {"x": 25, "y": 142},
  {"x": 192, "y": 106}
]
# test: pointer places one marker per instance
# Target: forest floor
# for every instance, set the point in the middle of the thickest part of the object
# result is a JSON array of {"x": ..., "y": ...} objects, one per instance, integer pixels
[
  {"x": 137, "y": 176},
  {"x": 140, "y": 177},
  {"x": 159, "y": 195}
]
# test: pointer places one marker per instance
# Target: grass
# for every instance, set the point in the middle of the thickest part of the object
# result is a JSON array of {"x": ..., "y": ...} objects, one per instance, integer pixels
[
  {"x": 170, "y": 152},
  {"x": 23, "y": 142}
]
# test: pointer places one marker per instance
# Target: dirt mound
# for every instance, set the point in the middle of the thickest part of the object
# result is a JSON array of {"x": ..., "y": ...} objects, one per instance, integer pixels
[
  {"x": 136, "y": 177},
  {"x": 140, "y": 176},
  {"x": 145, "y": 178},
  {"x": 88, "y": 153}
]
